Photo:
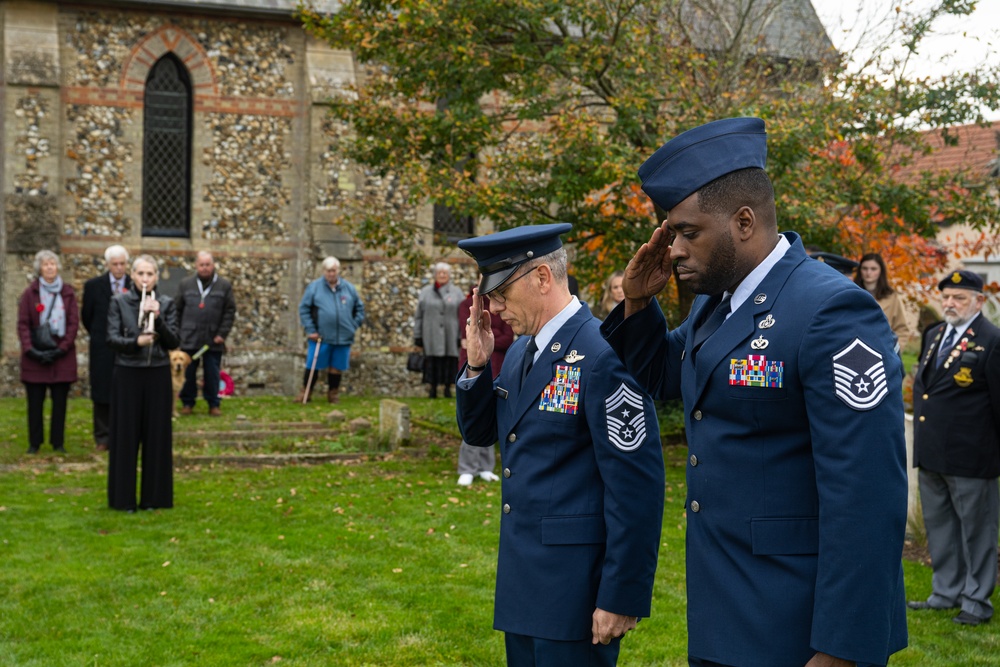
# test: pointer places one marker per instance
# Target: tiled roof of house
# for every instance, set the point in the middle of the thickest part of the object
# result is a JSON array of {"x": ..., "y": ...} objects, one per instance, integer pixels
[{"x": 977, "y": 149}]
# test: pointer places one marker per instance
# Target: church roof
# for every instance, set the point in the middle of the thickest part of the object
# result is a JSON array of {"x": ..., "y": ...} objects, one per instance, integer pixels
[{"x": 283, "y": 8}]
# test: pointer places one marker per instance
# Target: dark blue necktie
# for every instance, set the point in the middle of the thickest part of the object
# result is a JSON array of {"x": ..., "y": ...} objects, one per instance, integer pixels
[
  {"x": 946, "y": 345},
  {"x": 713, "y": 322},
  {"x": 529, "y": 358}
]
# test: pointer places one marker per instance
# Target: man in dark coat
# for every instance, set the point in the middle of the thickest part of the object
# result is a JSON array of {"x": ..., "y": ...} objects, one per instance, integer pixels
[
  {"x": 97, "y": 293},
  {"x": 583, "y": 468},
  {"x": 956, "y": 446},
  {"x": 796, "y": 474},
  {"x": 206, "y": 310}
]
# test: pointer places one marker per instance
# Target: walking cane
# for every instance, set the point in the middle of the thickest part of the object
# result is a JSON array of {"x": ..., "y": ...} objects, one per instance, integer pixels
[{"x": 312, "y": 372}]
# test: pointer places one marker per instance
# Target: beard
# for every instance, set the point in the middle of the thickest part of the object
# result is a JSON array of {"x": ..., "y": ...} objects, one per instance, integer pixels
[{"x": 721, "y": 269}]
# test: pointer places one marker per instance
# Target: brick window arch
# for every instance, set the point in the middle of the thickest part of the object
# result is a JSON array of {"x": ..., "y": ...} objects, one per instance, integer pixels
[{"x": 166, "y": 154}]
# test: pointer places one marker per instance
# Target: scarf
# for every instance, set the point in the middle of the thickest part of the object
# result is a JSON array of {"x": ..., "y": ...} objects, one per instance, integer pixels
[{"x": 53, "y": 310}]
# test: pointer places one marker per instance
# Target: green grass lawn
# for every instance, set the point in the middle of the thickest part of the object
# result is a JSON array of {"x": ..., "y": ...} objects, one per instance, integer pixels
[{"x": 378, "y": 560}]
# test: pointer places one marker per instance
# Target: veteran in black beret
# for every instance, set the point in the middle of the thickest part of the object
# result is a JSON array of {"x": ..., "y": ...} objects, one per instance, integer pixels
[
  {"x": 837, "y": 262},
  {"x": 796, "y": 474},
  {"x": 583, "y": 480},
  {"x": 956, "y": 446}
]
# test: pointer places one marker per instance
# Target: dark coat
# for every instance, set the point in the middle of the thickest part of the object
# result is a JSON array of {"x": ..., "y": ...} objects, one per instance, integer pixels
[
  {"x": 123, "y": 331},
  {"x": 199, "y": 326},
  {"x": 956, "y": 408},
  {"x": 94, "y": 315},
  {"x": 582, "y": 484},
  {"x": 28, "y": 318},
  {"x": 796, "y": 479}
]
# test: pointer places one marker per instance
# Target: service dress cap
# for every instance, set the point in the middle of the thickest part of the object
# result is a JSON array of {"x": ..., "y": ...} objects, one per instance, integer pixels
[
  {"x": 695, "y": 158},
  {"x": 499, "y": 254},
  {"x": 962, "y": 279},
  {"x": 838, "y": 262}
]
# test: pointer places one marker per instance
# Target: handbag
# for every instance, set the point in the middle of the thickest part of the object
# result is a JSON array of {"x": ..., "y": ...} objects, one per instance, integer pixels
[
  {"x": 415, "y": 362},
  {"x": 41, "y": 336}
]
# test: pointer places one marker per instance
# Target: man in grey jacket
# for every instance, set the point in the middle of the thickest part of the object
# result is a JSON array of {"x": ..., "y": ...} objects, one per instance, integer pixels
[
  {"x": 206, "y": 310},
  {"x": 330, "y": 312}
]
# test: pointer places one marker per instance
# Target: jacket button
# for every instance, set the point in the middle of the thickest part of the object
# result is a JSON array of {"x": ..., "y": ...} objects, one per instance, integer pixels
[
  {"x": 512, "y": 437},
  {"x": 695, "y": 506},
  {"x": 925, "y": 397},
  {"x": 506, "y": 508},
  {"x": 922, "y": 418},
  {"x": 697, "y": 415},
  {"x": 694, "y": 460},
  {"x": 506, "y": 472}
]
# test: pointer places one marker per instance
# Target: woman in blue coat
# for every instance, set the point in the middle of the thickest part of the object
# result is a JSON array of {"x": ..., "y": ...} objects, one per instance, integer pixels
[{"x": 330, "y": 312}]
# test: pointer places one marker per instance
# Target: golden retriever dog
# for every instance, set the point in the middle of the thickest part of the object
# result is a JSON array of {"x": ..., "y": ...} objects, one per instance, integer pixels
[{"x": 179, "y": 361}]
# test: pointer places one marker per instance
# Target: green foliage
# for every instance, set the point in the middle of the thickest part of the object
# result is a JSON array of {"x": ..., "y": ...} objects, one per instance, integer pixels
[{"x": 540, "y": 111}]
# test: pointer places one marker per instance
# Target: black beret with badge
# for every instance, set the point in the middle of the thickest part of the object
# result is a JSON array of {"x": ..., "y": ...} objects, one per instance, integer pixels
[
  {"x": 695, "y": 158},
  {"x": 499, "y": 254},
  {"x": 834, "y": 261},
  {"x": 962, "y": 279}
]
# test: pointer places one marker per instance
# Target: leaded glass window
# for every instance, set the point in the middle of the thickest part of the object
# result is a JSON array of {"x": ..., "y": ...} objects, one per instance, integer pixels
[{"x": 166, "y": 162}]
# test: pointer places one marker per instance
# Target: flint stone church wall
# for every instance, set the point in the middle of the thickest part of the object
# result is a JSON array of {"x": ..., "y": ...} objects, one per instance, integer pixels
[{"x": 266, "y": 181}]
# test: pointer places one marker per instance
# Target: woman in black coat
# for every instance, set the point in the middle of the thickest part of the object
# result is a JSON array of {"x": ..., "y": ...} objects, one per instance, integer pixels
[{"x": 141, "y": 392}]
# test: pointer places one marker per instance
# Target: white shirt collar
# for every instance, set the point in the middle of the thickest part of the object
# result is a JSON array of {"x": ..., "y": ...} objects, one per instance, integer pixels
[
  {"x": 550, "y": 328},
  {"x": 962, "y": 326},
  {"x": 754, "y": 278}
]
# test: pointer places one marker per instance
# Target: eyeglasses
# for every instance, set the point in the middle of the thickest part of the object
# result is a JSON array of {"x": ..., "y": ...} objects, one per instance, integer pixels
[{"x": 499, "y": 296}]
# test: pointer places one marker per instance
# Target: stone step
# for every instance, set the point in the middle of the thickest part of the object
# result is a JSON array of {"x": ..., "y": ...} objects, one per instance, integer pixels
[{"x": 254, "y": 434}]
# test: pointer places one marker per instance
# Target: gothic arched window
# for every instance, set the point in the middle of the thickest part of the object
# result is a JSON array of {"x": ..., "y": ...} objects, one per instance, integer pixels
[{"x": 166, "y": 150}]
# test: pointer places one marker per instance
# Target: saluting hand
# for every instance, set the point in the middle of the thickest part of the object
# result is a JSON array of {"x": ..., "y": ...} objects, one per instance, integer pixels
[
  {"x": 648, "y": 272},
  {"x": 478, "y": 333}
]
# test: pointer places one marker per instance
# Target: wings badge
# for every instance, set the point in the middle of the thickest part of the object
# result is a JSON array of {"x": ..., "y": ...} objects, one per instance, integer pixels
[
  {"x": 859, "y": 376},
  {"x": 626, "y": 419}
]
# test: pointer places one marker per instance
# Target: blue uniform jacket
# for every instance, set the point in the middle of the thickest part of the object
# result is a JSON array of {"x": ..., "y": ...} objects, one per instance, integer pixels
[
  {"x": 582, "y": 483},
  {"x": 334, "y": 315},
  {"x": 796, "y": 506}
]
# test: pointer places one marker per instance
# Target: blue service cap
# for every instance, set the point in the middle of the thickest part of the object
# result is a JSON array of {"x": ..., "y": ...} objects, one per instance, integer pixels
[
  {"x": 962, "y": 279},
  {"x": 695, "y": 158},
  {"x": 499, "y": 254}
]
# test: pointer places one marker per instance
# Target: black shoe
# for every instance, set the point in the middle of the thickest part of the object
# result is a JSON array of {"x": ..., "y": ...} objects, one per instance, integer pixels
[
  {"x": 447, "y": 391},
  {"x": 32, "y": 450},
  {"x": 59, "y": 450},
  {"x": 924, "y": 604},
  {"x": 965, "y": 618}
]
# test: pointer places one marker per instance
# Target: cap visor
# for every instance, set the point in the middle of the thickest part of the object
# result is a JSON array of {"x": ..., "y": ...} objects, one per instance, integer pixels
[{"x": 495, "y": 280}]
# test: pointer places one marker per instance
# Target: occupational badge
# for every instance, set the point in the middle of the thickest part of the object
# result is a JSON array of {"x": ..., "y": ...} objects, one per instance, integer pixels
[
  {"x": 562, "y": 394},
  {"x": 626, "y": 419},
  {"x": 573, "y": 357},
  {"x": 767, "y": 322},
  {"x": 859, "y": 376},
  {"x": 759, "y": 343},
  {"x": 963, "y": 378}
]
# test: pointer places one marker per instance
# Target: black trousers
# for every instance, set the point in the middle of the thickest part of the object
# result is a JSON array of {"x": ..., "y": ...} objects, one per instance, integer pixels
[
  {"x": 36, "y": 402},
  {"x": 523, "y": 651},
  {"x": 102, "y": 412},
  {"x": 141, "y": 410}
]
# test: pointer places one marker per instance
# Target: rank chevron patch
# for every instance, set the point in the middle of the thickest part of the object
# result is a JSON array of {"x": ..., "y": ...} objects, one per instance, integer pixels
[
  {"x": 626, "y": 419},
  {"x": 859, "y": 376}
]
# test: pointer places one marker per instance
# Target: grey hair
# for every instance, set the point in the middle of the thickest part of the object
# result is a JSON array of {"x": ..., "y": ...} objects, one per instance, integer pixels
[
  {"x": 441, "y": 266},
  {"x": 43, "y": 255},
  {"x": 205, "y": 253},
  {"x": 115, "y": 251},
  {"x": 148, "y": 259},
  {"x": 330, "y": 262},
  {"x": 557, "y": 261}
]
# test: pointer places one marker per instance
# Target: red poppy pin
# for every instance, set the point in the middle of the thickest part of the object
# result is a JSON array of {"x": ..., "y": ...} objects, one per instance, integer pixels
[{"x": 39, "y": 308}]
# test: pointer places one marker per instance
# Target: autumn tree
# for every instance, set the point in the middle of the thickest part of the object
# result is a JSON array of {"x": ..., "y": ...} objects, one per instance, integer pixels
[{"x": 534, "y": 111}]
